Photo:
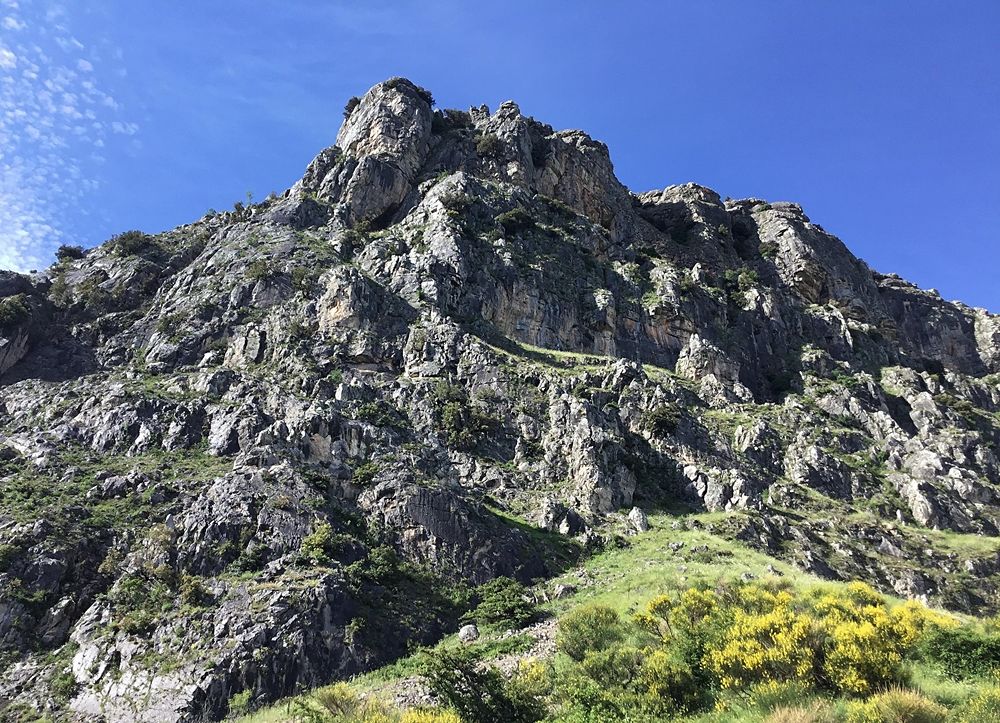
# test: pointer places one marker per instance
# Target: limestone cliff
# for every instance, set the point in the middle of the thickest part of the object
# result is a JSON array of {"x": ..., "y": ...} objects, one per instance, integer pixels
[{"x": 252, "y": 452}]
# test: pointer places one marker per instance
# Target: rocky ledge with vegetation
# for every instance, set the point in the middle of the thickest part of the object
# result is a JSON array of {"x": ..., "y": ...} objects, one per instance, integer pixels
[{"x": 290, "y": 443}]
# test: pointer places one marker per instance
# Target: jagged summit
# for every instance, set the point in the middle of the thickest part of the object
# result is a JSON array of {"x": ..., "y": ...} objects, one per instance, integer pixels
[{"x": 249, "y": 453}]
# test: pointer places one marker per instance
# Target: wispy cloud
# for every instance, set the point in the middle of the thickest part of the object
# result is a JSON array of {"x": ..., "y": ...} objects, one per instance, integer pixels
[{"x": 55, "y": 121}]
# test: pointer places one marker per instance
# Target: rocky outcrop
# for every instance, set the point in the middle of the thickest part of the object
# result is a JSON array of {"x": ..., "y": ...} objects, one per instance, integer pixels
[{"x": 270, "y": 448}]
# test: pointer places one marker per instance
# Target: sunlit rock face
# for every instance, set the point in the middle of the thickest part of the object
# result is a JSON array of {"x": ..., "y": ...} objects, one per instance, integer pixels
[{"x": 250, "y": 453}]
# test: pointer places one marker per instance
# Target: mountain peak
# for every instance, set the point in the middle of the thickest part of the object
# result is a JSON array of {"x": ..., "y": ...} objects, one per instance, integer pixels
[{"x": 457, "y": 349}]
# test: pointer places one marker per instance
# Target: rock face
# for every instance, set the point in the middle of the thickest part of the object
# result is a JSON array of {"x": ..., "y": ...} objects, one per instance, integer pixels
[{"x": 256, "y": 452}]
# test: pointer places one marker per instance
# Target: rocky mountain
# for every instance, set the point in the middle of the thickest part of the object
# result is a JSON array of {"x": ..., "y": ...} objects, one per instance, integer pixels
[{"x": 277, "y": 446}]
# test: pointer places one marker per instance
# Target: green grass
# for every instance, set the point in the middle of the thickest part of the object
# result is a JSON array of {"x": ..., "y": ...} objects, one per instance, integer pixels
[{"x": 626, "y": 577}]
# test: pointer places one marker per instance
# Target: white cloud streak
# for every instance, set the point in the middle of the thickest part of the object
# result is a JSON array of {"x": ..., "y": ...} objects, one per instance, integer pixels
[{"x": 55, "y": 122}]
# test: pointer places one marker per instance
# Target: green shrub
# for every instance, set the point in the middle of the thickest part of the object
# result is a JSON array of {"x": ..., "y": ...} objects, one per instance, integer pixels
[
  {"x": 624, "y": 682},
  {"x": 503, "y": 602},
  {"x": 662, "y": 420},
  {"x": 488, "y": 144},
  {"x": 381, "y": 566},
  {"x": 240, "y": 702},
  {"x": 455, "y": 203},
  {"x": 962, "y": 652},
  {"x": 588, "y": 628},
  {"x": 93, "y": 296},
  {"x": 352, "y": 103},
  {"x": 63, "y": 685},
  {"x": 169, "y": 322},
  {"x": 259, "y": 270},
  {"x": 364, "y": 474},
  {"x": 317, "y": 546},
  {"x": 422, "y": 92},
  {"x": 462, "y": 423},
  {"x": 303, "y": 278},
  {"x": 478, "y": 695},
  {"x": 747, "y": 279},
  {"x": 517, "y": 219},
  {"x": 192, "y": 590},
  {"x": 65, "y": 254},
  {"x": 14, "y": 311},
  {"x": 768, "y": 249},
  {"x": 130, "y": 243},
  {"x": 380, "y": 414}
]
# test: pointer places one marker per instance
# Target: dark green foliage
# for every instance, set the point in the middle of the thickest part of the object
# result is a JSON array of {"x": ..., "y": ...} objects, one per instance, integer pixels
[
  {"x": 8, "y": 552},
  {"x": 14, "y": 311},
  {"x": 515, "y": 220},
  {"x": 303, "y": 278},
  {"x": 768, "y": 249},
  {"x": 299, "y": 330},
  {"x": 63, "y": 685},
  {"x": 65, "y": 254},
  {"x": 192, "y": 591},
  {"x": 131, "y": 243},
  {"x": 450, "y": 119},
  {"x": 623, "y": 682},
  {"x": 352, "y": 103},
  {"x": 169, "y": 323},
  {"x": 478, "y": 695},
  {"x": 462, "y": 423},
  {"x": 381, "y": 566},
  {"x": 455, "y": 203},
  {"x": 747, "y": 279},
  {"x": 251, "y": 559},
  {"x": 503, "y": 603},
  {"x": 962, "y": 652},
  {"x": 320, "y": 545},
  {"x": 93, "y": 296},
  {"x": 687, "y": 284},
  {"x": 380, "y": 414},
  {"x": 141, "y": 600},
  {"x": 259, "y": 270},
  {"x": 589, "y": 628},
  {"x": 488, "y": 144},
  {"x": 364, "y": 474},
  {"x": 662, "y": 421},
  {"x": 736, "y": 282}
]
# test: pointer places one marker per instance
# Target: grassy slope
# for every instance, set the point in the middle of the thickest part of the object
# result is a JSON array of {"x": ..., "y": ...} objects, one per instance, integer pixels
[{"x": 626, "y": 577}]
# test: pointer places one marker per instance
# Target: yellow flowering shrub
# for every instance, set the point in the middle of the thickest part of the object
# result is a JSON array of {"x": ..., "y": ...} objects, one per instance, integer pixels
[
  {"x": 778, "y": 645},
  {"x": 912, "y": 620},
  {"x": 532, "y": 678},
  {"x": 863, "y": 654},
  {"x": 861, "y": 593}
]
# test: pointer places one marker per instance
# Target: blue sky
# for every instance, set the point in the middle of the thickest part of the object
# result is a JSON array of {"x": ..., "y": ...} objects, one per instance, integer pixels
[{"x": 881, "y": 118}]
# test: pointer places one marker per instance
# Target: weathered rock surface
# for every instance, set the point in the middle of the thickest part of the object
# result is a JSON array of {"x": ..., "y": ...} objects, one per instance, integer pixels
[{"x": 254, "y": 453}]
